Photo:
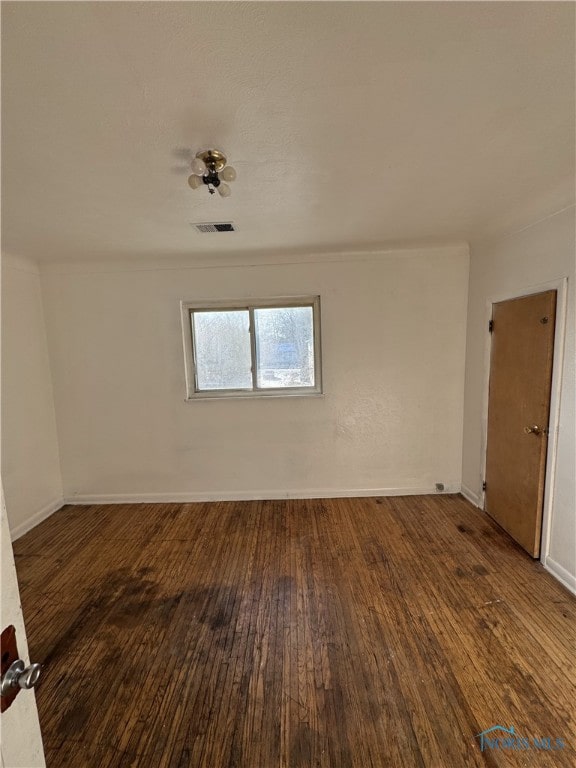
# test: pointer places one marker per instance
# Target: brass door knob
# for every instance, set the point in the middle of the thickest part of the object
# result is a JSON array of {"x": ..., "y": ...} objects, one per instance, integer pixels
[{"x": 534, "y": 429}]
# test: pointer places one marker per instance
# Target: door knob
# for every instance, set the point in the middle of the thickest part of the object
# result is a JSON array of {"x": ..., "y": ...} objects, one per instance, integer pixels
[
  {"x": 534, "y": 429},
  {"x": 18, "y": 675}
]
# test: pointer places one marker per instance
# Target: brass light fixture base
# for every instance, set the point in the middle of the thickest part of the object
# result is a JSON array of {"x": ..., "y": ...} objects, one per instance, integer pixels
[{"x": 214, "y": 159}]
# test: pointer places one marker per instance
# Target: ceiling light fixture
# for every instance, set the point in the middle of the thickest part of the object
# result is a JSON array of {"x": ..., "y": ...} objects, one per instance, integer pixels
[{"x": 209, "y": 167}]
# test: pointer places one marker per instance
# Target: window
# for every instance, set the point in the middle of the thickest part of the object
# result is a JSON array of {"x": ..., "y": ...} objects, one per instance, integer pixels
[{"x": 261, "y": 348}]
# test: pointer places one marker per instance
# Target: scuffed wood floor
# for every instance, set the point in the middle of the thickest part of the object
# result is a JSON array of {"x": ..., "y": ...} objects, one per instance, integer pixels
[{"x": 335, "y": 633}]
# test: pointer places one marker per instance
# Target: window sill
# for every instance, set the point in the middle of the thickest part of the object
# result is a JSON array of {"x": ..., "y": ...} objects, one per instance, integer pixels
[{"x": 252, "y": 396}]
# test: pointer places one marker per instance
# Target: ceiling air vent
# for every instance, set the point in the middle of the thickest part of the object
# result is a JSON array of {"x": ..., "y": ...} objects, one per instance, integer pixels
[{"x": 220, "y": 227}]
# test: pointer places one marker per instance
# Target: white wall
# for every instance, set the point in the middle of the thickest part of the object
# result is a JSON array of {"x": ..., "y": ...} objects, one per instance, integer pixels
[
  {"x": 393, "y": 331},
  {"x": 30, "y": 457},
  {"x": 539, "y": 254}
]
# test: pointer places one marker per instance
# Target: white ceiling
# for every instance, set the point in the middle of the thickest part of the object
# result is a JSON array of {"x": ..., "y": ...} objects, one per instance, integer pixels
[{"x": 351, "y": 125}]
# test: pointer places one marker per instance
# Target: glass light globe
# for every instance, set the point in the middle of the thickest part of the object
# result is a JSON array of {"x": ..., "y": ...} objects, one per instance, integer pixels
[
  {"x": 198, "y": 166},
  {"x": 224, "y": 190},
  {"x": 195, "y": 181},
  {"x": 228, "y": 174}
]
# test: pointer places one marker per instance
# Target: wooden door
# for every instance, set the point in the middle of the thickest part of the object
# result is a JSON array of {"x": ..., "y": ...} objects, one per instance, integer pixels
[{"x": 518, "y": 414}]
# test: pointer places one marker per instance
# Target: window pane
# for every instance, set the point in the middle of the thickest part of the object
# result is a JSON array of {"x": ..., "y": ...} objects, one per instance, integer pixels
[
  {"x": 222, "y": 347},
  {"x": 285, "y": 347}
]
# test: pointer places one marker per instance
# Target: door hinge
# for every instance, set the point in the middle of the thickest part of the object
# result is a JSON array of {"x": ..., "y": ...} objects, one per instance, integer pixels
[
  {"x": 484, "y": 485},
  {"x": 491, "y": 326}
]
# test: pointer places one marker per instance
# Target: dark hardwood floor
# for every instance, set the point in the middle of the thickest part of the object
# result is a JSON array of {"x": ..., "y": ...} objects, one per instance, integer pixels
[{"x": 335, "y": 633}]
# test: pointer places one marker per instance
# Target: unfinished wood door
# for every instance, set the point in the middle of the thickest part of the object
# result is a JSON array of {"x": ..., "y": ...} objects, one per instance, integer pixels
[{"x": 518, "y": 414}]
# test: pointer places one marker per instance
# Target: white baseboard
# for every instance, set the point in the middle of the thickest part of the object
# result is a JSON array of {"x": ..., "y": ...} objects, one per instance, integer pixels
[
  {"x": 472, "y": 497},
  {"x": 36, "y": 518},
  {"x": 187, "y": 497},
  {"x": 559, "y": 572}
]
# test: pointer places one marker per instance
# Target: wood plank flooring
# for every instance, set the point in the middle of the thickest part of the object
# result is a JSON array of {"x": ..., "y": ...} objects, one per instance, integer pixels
[{"x": 304, "y": 634}]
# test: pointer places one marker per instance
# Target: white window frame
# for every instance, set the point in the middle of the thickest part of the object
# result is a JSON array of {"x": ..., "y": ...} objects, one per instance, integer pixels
[{"x": 284, "y": 302}]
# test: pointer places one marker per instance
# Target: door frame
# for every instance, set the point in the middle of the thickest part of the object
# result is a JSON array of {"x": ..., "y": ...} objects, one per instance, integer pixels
[{"x": 561, "y": 287}]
